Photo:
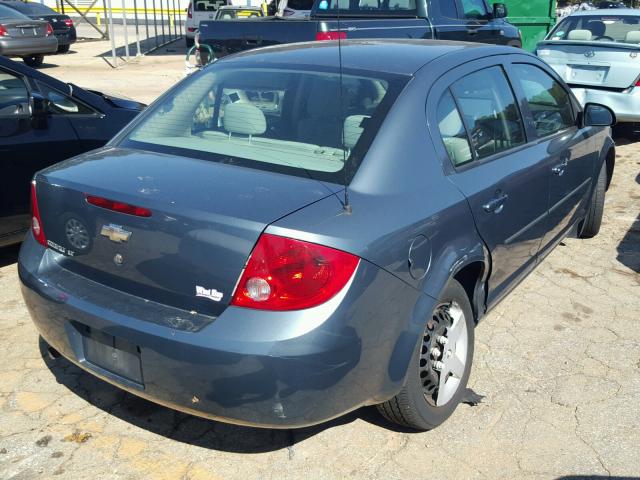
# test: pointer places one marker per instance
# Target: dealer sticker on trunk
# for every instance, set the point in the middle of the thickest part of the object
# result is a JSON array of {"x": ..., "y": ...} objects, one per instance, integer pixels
[{"x": 210, "y": 293}]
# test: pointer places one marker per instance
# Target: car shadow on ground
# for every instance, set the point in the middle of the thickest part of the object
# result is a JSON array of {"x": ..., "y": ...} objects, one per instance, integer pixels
[
  {"x": 188, "y": 428},
  {"x": 9, "y": 255},
  {"x": 629, "y": 246}
]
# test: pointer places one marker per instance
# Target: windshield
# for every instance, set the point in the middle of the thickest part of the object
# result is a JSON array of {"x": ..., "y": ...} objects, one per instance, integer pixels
[
  {"x": 6, "y": 12},
  {"x": 600, "y": 28},
  {"x": 284, "y": 120},
  {"x": 368, "y": 7},
  {"x": 232, "y": 13},
  {"x": 32, "y": 8}
]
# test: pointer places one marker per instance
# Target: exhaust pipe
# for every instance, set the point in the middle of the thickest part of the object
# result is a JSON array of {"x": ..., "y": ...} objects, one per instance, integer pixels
[{"x": 53, "y": 353}]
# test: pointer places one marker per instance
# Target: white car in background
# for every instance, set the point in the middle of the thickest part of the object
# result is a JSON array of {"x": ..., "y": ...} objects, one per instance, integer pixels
[
  {"x": 597, "y": 53},
  {"x": 200, "y": 10}
]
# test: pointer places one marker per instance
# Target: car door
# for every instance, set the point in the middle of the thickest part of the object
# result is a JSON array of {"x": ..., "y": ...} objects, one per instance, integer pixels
[
  {"x": 480, "y": 132},
  {"x": 571, "y": 156},
  {"x": 24, "y": 149},
  {"x": 92, "y": 127},
  {"x": 479, "y": 25}
]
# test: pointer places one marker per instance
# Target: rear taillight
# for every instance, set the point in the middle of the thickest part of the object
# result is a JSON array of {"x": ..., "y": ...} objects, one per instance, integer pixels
[
  {"x": 119, "y": 207},
  {"x": 68, "y": 22},
  {"x": 36, "y": 221},
  {"x": 331, "y": 36},
  {"x": 287, "y": 274},
  {"x": 190, "y": 10},
  {"x": 637, "y": 84},
  {"x": 3, "y": 31},
  {"x": 49, "y": 29}
]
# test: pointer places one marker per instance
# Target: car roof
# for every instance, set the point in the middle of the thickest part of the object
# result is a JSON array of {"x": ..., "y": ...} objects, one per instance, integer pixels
[
  {"x": 238, "y": 7},
  {"x": 403, "y": 57},
  {"x": 606, "y": 11}
]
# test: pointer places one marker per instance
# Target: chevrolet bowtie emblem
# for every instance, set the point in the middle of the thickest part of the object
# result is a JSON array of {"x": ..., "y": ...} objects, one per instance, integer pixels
[{"x": 115, "y": 233}]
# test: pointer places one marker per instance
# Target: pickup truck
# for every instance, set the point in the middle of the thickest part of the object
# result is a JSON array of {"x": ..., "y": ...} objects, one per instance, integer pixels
[{"x": 464, "y": 20}]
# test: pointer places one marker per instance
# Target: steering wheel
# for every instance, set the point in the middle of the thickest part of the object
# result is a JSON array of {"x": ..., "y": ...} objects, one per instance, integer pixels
[{"x": 605, "y": 37}]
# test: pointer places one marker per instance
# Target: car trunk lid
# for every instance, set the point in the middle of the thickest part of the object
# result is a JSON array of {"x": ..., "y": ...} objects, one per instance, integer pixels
[
  {"x": 25, "y": 28},
  {"x": 600, "y": 64},
  {"x": 58, "y": 22},
  {"x": 205, "y": 219}
]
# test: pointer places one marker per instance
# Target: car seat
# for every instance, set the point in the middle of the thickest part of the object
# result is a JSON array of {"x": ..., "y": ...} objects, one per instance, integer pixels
[
  {"x": 581, "y": 35},
  {"x": 632, "y": 37}
]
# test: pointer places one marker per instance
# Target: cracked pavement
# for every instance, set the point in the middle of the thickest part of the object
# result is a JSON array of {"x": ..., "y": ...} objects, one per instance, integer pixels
[{"x": 557, "y": 362}]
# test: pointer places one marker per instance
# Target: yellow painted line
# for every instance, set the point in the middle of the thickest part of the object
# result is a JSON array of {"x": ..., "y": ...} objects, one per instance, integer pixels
[{"x": 100, "y": 10}]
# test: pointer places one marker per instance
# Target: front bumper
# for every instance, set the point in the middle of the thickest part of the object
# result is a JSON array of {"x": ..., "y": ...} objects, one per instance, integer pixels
[
  {"x": 28, "y": 46},
  {"x": 626, "y": 106},
  {"x": 267, "y": 369}
]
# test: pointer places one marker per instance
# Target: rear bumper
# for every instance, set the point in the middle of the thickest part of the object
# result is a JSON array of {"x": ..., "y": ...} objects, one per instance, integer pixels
[
  {"x": 266, "y": 369},
  {"x": 626, "y": 106},
  {"x": 67, "y": 37},
  {"x": 28, "y": 46}
]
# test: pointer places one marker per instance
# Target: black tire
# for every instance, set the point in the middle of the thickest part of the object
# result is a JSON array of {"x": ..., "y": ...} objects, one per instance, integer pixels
[
  {"x": 593, "y": 220},
  {"x": 34, "y": 61},
  {"x": 412, "y": 407},
  {"x": 63, "y": 48},
  {"x": 189, "y": 41}
]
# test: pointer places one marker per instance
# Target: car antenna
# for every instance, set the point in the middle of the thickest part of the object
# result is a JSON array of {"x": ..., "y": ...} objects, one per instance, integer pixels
[{"x": 345, "y": 204}]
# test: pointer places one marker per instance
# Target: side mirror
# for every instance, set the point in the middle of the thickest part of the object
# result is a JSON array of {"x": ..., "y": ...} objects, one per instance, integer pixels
[
  {"x": 596, "y": 115},
  {"x": 500, "y": 10},
  {"x": 39, "y": 107}
]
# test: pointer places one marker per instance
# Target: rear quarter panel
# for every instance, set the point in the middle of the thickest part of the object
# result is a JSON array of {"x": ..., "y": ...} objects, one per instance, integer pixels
[{"x": 399, "y": 194}]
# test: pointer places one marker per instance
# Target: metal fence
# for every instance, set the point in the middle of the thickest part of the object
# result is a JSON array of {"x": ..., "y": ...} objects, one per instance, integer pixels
[{"x": 133, "y": 27}]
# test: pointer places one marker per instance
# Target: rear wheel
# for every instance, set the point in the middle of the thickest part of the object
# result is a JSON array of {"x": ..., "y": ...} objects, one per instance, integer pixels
[
  {"x": 63, "y": 48},
  {"x": 593, "y": 220},
  {"x": 33, "y": 61},
  {"x": 189, "y": 42},
  {"x": 437, "y": 379}
]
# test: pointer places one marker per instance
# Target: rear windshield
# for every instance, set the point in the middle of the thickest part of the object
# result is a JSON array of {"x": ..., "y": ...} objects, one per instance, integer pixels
[
  {"x": 600, "y": 28},
  {"x": 231, "y": 14},
  {"x": 32, "y": 8},
  {"x": 291, "y": 121},
  {"x": 208, "y": 5},
  {"x": 367, "y": 7},
  {"x": 6, "y": 12}
]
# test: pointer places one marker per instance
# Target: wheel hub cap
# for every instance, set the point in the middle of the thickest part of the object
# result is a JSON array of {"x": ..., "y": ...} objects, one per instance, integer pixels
[{"x": 444, "y": 353}]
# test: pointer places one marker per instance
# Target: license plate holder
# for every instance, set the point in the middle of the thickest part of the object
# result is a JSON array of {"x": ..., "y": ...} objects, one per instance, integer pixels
[
  {"x": 588, "y": 73},
  {"x": 113, "y": 354}
]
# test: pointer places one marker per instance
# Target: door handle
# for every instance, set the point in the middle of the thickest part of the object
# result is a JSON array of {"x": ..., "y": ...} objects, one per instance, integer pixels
[
  {"x": 559, "y": 169},
  {"x": 472, "y": 31},
  {"x": 496, "y": 204}
]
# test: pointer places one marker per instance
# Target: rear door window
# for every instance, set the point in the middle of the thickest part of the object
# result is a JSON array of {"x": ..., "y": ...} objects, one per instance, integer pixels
[
  {"x": 548, "y": 101},
  {"x": 490, "y": 112},
  {"x": 14, "y": 96},
  {"x": 368, "y": 7},
  {"x": 448, "y": 8},
  {"x": 452, "y": 131}
]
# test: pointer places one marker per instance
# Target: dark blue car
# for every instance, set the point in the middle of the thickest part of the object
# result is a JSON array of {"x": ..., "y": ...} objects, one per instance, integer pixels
[
  {"x": 44, "y": 121},
  {"x": 280, "y": 239}
]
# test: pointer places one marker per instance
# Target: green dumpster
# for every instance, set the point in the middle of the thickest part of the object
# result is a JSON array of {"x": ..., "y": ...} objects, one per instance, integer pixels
[{"x": 534, "y": 18}]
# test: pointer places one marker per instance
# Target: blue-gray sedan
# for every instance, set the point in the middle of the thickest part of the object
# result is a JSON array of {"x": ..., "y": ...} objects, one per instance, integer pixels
[{"x": 280, "y": 239}]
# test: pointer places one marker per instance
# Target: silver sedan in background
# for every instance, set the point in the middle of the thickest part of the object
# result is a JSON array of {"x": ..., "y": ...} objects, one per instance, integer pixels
[
  {"x": 598, "y": 54},
  {"x": 20, "y": 36}
]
